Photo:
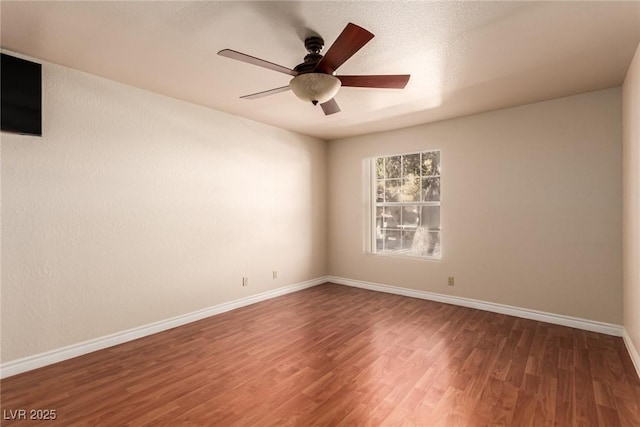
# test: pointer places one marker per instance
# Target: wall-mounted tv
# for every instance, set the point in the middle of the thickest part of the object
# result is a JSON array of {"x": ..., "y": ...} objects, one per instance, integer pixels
[{"x": 20, "y": 96}]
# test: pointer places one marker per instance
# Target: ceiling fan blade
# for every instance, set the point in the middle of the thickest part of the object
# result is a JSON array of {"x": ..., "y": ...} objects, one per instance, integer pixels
[
  {"x": 397, "y": 81},
  {"x": 348, "y": 42},
  {"x": 266, "y": 93},
  {"x": 330, "y": 107},
  {"x": 228, "y": 53}
]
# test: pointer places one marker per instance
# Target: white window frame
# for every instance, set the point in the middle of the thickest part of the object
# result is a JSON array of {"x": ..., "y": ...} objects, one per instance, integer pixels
[{"x": 370, "y": 204}]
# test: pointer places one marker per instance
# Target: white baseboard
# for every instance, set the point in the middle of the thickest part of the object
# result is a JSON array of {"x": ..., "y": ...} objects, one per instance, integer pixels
[
  {"x": 29, "y": 363},
  {"x": 635, "y": 357},
  {"x": 557, "y": 319}
]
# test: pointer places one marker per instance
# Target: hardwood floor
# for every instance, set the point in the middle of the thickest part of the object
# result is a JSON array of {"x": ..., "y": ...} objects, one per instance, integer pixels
[{"x": 339, "y": 356}]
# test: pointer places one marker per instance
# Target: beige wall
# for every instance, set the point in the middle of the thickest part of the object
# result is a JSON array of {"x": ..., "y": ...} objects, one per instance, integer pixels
[
  {"x": 531, "y": 207},
  {"x": 631, "y": 201},
  {"x": 133, "y": 208}
]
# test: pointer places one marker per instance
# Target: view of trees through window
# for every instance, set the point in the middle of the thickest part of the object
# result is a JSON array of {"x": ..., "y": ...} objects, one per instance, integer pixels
[{"x": 407, "y": 206}]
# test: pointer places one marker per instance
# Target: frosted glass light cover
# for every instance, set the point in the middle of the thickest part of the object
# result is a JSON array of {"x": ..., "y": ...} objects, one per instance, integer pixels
[{"x": 317, "y": 87}]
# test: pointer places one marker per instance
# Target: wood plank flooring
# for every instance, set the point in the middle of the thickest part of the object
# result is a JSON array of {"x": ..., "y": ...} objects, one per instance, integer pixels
[{"x": 339, "y": 356}]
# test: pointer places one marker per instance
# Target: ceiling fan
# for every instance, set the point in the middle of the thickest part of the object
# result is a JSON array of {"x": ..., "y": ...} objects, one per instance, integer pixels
[{"x": 315, "y": 79}]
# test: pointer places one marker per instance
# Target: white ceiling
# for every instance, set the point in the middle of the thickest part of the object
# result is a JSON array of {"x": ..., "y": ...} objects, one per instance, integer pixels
[{"x": 463, "y": 57}]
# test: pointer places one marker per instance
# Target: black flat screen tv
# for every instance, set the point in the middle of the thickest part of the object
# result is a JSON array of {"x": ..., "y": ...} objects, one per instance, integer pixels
[{"x": 21, "y": 96}]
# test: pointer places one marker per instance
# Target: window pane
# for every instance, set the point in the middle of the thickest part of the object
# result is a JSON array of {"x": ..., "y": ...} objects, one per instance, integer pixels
[
  {"x": 380, "y": 241},
  {"x": 411, "y": 165},
  {"x": 407, "y": 239},
  {"x": 392, "y": 167},
  {"x": 410, "y": 190},
  {"x": 391, "y": 217},
  {"x": 431, "y": 189},
  {"x": 392, "y": 240},
  {"x": 379, "y": 228},
  {"x": 392, "y": 190},
  {"x": 431, "y": 217},
  {"x": 431, "y": 163},
  {"x": 434, "y": 242},
  {"x": 379, "y": 217},
  {"x": 380, "y": 167},
  {"x": 426, "y": 243},
  {"x": 380, "y": 191},
  {"x": 410, "y": 216}
]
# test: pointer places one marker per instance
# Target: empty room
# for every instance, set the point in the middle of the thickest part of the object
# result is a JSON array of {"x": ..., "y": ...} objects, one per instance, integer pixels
[{"x": 320, "y": 213}]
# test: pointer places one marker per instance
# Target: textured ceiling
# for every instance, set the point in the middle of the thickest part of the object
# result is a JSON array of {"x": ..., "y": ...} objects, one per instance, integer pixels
[{"x": 463, "y": 57}]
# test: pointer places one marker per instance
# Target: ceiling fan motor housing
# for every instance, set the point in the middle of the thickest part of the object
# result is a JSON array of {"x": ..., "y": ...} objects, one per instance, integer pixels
[{"x": 313, "y": 45}]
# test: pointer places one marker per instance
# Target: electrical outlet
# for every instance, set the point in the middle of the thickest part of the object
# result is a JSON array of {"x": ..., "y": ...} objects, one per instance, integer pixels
[
  {"x": 245, "y": 281},
  {"x": 450, "y": 281},
  {"x": 275, "y": 274}
]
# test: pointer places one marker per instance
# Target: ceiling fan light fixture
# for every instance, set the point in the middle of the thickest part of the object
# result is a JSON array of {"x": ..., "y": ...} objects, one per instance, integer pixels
[{"x": 315, "y": 87}]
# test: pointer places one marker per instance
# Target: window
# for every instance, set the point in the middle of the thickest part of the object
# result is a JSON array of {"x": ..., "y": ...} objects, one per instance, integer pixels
[{"x": 405, "y": 208}]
